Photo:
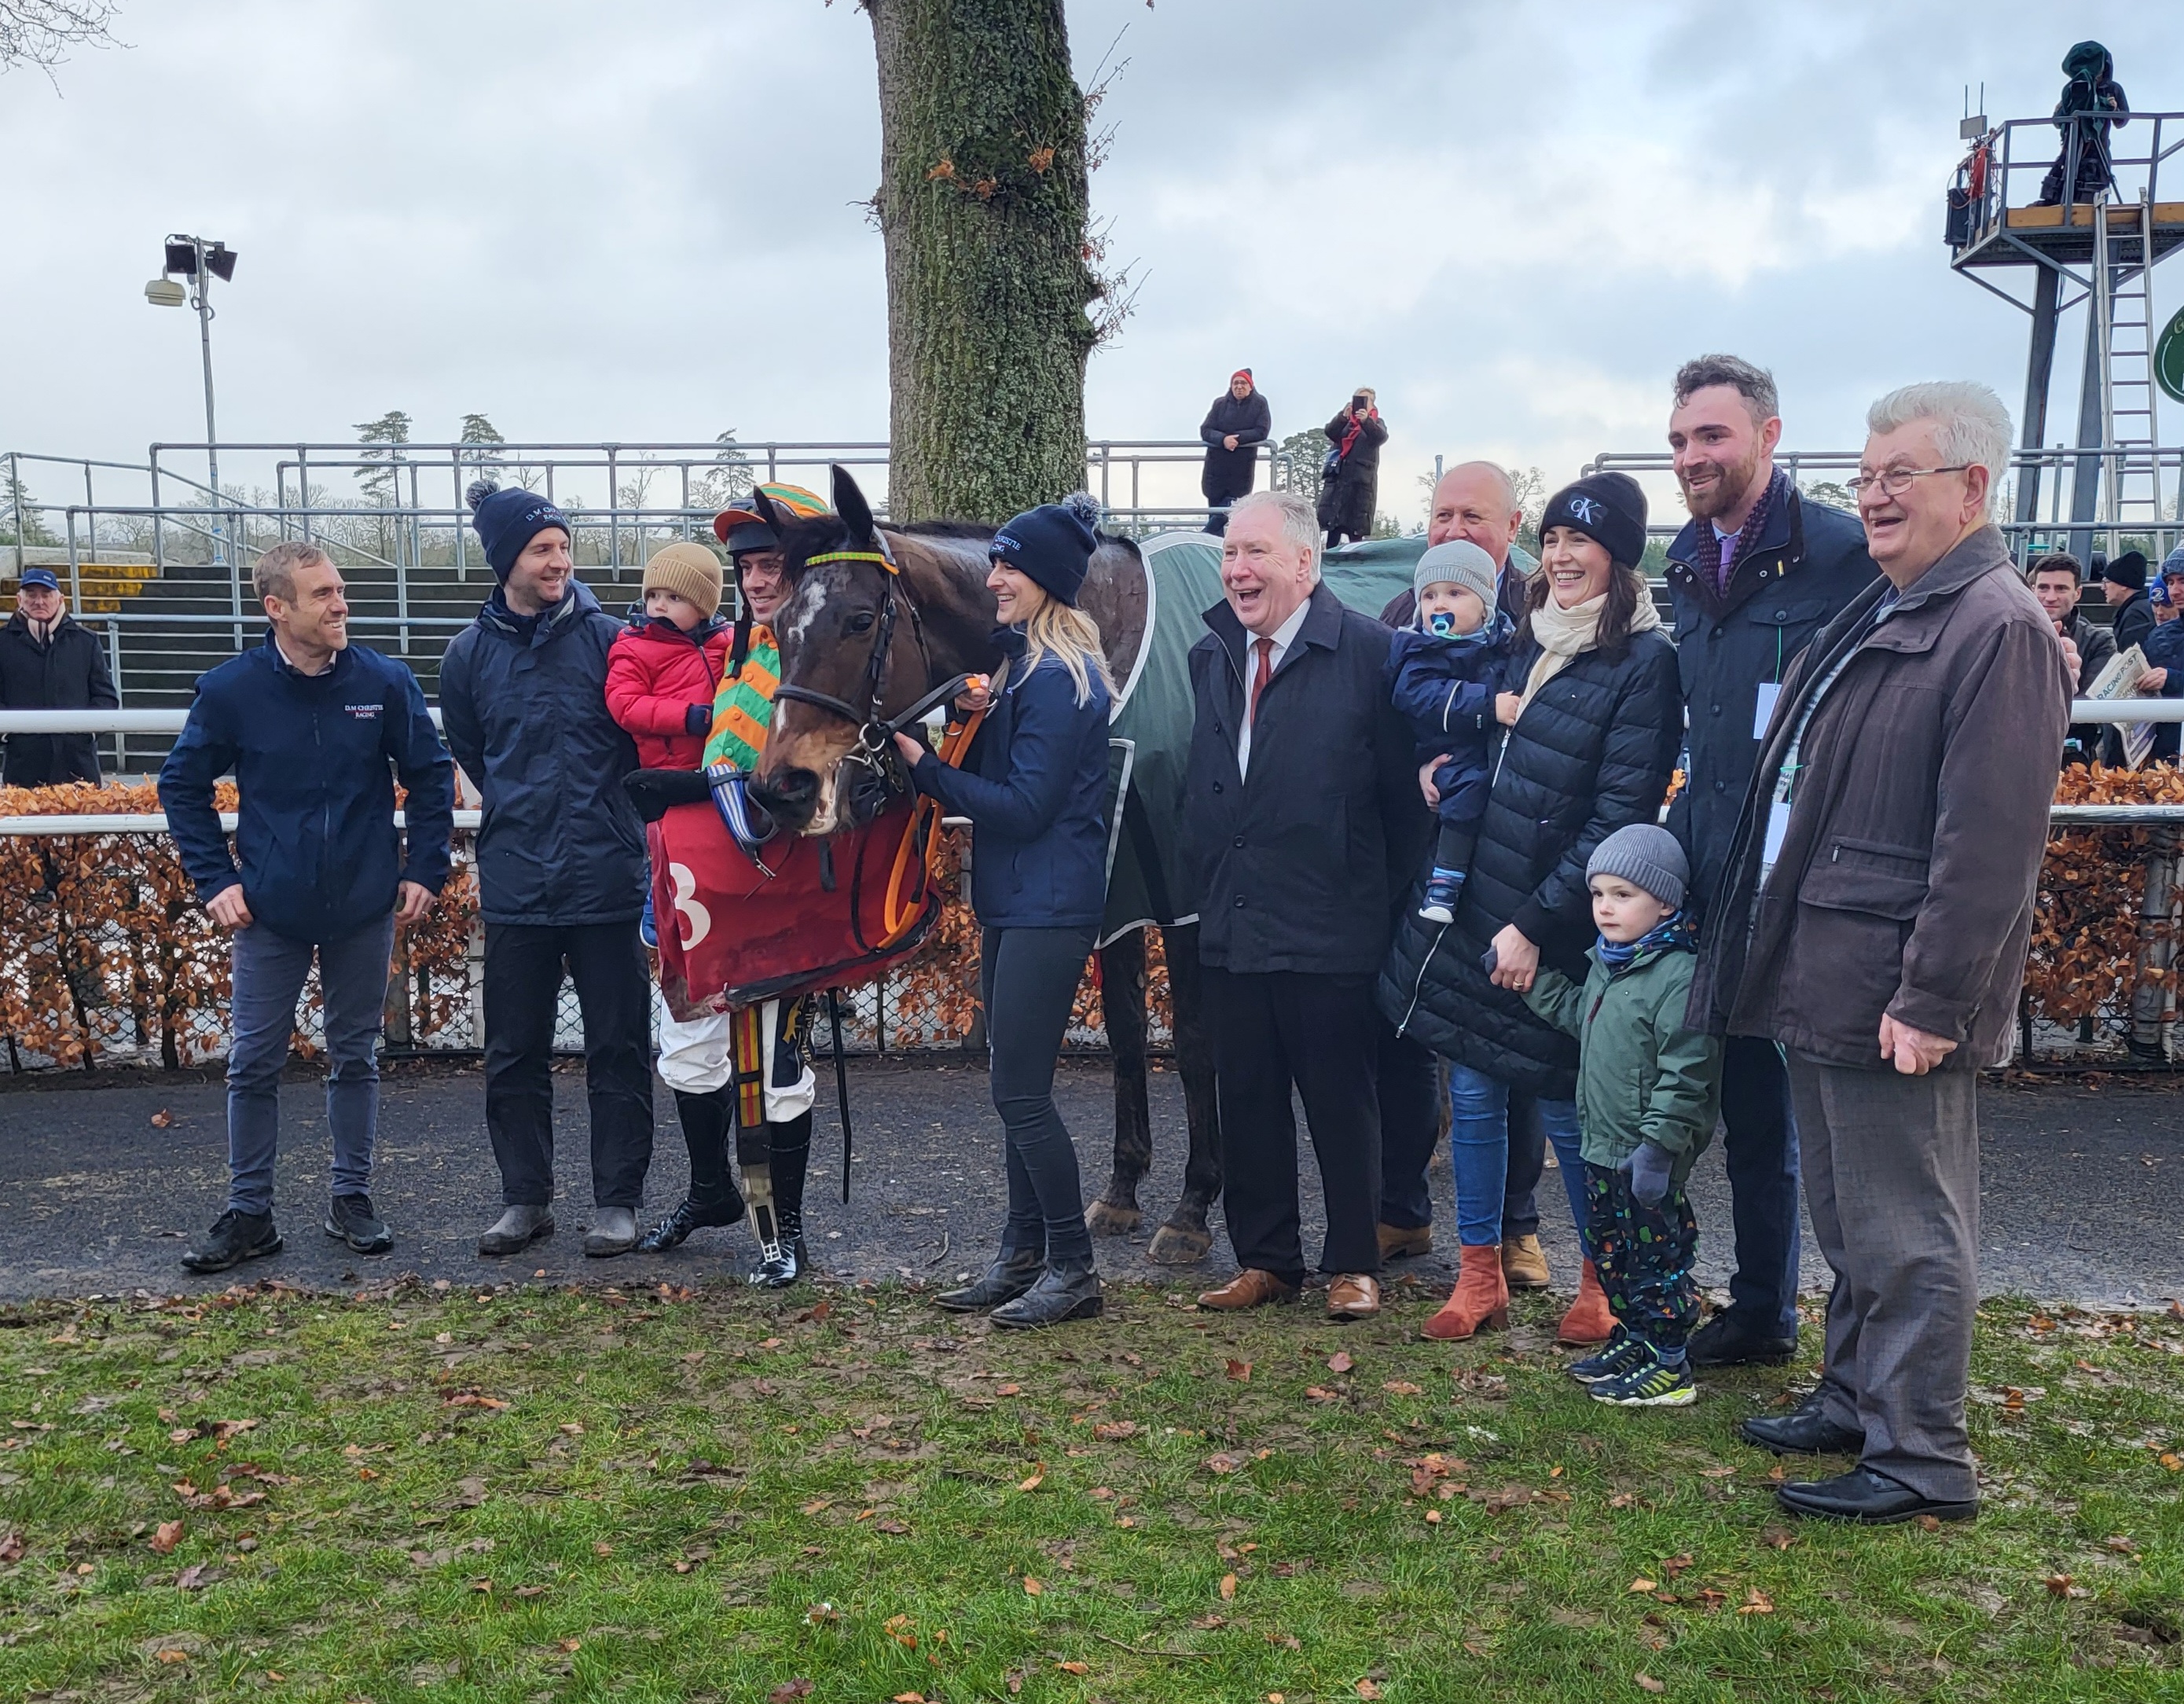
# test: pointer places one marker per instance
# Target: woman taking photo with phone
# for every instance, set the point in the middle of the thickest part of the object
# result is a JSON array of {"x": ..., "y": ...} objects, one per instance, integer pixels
[
  {"x": 1350, "y": 477},
  {"x": 1035, "y": 789}
]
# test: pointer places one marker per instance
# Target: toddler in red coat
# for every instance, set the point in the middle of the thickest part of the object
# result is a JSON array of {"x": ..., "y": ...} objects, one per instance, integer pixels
[{"x": 662, "y": 672}]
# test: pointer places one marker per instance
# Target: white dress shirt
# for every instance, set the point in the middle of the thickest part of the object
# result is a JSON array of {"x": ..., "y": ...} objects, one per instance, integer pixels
[{"x": 1284, "y": 637}]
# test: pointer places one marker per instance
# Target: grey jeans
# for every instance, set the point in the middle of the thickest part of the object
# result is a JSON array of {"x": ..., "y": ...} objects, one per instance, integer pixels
[
  {"x": 1891, "y": 1165},
  {"x": 269, "y": 971}
]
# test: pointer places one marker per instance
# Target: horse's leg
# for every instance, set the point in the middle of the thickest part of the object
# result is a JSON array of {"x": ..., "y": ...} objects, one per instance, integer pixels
[
  {"x": 1114, "y": 1212},
  {"x": 1183, "y": 1238}
]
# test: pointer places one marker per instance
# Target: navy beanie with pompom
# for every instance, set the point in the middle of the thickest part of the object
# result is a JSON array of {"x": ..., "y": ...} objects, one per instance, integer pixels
[
  {"x": 1051, "y": 545},
  {"x": 507, "y": 520},
  {"x": 1608, "y": 508}
]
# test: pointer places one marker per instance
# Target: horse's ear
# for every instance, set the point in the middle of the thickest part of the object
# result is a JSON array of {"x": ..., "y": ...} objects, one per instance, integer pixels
[
  {"x": 850, "y": 503},
  {"x": 768, "y": 511}
]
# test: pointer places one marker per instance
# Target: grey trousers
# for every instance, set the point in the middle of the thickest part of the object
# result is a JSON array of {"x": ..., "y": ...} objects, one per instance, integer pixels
[
  {"x": 1891, "y": 1177},
  {"x": 269, "y": 971}
]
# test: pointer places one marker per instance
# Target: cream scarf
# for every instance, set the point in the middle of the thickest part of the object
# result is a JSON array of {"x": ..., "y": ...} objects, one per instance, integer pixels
[{"x": 1564, "y": 634}]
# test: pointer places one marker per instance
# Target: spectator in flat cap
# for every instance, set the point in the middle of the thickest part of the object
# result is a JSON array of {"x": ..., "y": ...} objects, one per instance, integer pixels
[{"x": 48, "y": 662}]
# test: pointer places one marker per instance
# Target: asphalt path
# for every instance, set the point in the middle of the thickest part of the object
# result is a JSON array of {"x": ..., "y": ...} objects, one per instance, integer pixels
[{"x": 103, "y": 1177}]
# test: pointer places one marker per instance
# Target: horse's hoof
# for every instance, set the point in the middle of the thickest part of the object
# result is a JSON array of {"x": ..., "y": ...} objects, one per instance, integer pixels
[
  {"x": 1180, "y": 1245},
  {"x": 1106, "y": 1219}
]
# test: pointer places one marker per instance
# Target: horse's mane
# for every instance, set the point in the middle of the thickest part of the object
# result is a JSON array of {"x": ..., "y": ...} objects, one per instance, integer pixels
[{"x": 941, "y": 529}]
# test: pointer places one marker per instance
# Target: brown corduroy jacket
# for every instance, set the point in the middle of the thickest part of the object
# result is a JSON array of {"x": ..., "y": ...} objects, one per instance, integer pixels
[{"x": 1909, "y": 863}]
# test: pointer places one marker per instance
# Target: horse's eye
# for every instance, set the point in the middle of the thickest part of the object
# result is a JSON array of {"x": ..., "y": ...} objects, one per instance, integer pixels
[{"x": 861, "y": 622}]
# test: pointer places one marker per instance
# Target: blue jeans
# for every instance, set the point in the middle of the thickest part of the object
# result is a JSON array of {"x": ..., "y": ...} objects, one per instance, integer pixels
[
  {"x": 268, "y": 972},
  {"x": 1482, "y": 1109}
]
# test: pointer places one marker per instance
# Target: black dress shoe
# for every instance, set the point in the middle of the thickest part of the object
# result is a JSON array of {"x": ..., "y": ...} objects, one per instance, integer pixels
[
  {"x": 1805, "y": 1430},
  {"x": 1868, "y": 1498},
  {"x": 1729, "y": 1341}
]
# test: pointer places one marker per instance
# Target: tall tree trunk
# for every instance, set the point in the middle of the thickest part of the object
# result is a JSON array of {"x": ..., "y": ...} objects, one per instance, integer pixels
[{"x": 982, "y": 203}]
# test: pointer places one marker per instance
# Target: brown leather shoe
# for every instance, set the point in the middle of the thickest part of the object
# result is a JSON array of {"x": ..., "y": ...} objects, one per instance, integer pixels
[
  {"x": 1398, "y": 1241},
  {"x": 1524, "y": 1263},
  {"x": 1250, "y": 1288},
  {"x": 1353, "y": 1296}
]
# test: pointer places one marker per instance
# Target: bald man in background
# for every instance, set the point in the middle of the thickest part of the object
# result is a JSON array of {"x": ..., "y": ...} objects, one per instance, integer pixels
[{"x": 1475, "y": 501}]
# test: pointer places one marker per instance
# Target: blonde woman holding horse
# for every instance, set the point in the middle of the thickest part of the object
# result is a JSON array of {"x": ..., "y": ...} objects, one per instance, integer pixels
[{"x": 1035, "y": 788}]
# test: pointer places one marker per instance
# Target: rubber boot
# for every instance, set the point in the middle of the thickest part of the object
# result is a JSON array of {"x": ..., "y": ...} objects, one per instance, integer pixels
[
  {"x": 1013, "y": 1271},
  {"x": 713, "y": 1200},
  {"x": 1069, "y": 1288},
  {"x": 1589, "y": 1319},
  {"x": 1480, "y": 1301},
  {"x": 789, "y": 1149}
]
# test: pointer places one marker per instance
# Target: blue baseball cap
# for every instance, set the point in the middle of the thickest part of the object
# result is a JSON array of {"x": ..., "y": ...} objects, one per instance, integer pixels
[{"x": 41, "y": 576}]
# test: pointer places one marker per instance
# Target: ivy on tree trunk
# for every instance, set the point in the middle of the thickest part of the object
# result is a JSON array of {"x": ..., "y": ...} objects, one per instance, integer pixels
[{"x": 982, "y": 204}]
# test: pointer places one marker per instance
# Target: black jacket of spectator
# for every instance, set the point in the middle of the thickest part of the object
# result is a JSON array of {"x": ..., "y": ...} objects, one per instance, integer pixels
[
  {"x": 1298, "y": 866},
  {"x": 1229, "y": 473},
  {"x": 2134, "y": 622},
  {"x": 1346, "y": 501},
  {"x": 67, "y": 672},
  {"x": 1807, "y": 566},
  {"x": 1592, "y": 752},
  {"x": 2096, "y": 646}
]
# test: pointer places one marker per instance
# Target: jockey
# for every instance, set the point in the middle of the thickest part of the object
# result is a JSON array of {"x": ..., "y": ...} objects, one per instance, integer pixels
[{"x": 749, "y": 1062}]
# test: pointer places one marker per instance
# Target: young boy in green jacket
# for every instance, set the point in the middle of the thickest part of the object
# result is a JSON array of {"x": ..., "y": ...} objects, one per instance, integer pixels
[{"x": 1648, "y": 1090}]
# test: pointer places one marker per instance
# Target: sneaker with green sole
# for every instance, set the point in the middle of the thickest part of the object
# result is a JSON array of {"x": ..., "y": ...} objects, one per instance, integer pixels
[
  {"x": 1650, "y": 1385},
  {"x": 1622, "y": 1357}
]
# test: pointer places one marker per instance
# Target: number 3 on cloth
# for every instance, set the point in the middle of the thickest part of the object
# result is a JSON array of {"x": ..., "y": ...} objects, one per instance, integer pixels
[{"x": 697, "y": 921}]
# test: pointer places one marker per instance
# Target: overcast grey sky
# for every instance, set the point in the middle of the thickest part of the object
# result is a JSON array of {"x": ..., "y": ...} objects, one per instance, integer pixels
[{"x": 638, "y": 221}]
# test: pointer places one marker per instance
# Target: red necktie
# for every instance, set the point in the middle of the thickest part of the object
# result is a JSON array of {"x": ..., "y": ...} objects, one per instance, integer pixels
[{"x": 1262, "y": 672}]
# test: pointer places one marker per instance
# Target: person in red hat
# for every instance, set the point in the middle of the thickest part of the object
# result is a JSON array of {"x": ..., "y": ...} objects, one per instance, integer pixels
[{"x": 1237, "y": 424}]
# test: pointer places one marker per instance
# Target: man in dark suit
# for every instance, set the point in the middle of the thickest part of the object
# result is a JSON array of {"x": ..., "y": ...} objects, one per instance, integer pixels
[{"x": 1303, "y": 820}]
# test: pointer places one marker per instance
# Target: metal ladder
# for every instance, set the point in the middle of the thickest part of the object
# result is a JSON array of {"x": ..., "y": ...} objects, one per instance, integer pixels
[{"x": 2123, "y": 302}]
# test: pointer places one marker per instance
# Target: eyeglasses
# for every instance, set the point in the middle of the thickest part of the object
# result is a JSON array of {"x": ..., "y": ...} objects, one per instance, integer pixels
[{"x": 1895, "y": 481}]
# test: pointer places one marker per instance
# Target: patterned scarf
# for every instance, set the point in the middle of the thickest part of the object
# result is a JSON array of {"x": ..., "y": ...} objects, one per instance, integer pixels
[
  {"x": 1714, "y": 572},
  {"x": 742, "y": 706},
  {"x": 1672, "y": 932}
]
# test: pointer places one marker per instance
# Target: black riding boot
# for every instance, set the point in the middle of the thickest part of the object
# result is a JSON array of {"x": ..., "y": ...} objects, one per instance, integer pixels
[
  {"x": 712, "y": 1200},
  {"x": 1014, "y": 1271},
  {"x": 1069, "y": 1288},
  {"x": 789, "y": 1147}
]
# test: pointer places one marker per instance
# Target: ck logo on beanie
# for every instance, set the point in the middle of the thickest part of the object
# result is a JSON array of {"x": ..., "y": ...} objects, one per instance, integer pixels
[{"x": 1587, "y": 511}]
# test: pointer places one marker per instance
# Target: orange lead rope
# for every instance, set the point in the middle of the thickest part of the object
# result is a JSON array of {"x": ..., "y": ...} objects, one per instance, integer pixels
[{"x": 897, "y": 911}]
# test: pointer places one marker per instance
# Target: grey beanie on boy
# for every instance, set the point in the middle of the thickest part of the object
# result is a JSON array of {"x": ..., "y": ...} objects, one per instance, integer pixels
[
  {"x": 1460, "y": 562},
  {"x": 1646, "y": 855}
]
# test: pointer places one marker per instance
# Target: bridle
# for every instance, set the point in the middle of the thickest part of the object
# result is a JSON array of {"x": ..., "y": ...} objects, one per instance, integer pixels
[{"x": 875, "y": 749}]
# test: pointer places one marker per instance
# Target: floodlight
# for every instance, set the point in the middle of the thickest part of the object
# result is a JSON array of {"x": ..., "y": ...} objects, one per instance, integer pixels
[
  {"x": 219, "y": 261},
  {"x": 164, "y": 292},
  {"x": 182, "y": 258}
]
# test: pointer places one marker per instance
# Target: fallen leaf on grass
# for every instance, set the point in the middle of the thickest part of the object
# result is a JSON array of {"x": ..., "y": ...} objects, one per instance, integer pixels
[
  {"x": 173, "y": 1655},
  {"x": 1073, "y": 1667},
  {"x": 2171, "y": 1460},
  {"x": 164, "y": 1541},
  {"x": 11, "y": 1547},
  {"x": 602, "y": 1548},
  {"x": 570, "y": 1646},
  {"x": 889, "y": 1527},
  {"x": 816, "y": 1504},
  {"x": 1676, "y": 1564},
  {"x": 2121, "y": 1545},
  {"x": 1777, "y": 1538},
  {"x": 1432, "y": 1517},
  {"x": 822, "y": 1615},
  {"x": 1114, "y": 1431},
  {"x": 1228, "y": 1588},
  {"x": 1319, "y": 1394},
  {"x": 1642, "y": 1584},
  {"x": 816, "y": 1312},
  {"x": 192, "y": 1579},
  {"x": 574, "y": 1428},
  {"x": 471, "y": 1398},
  {"x": 1646, "y": 1683},
  {"x": 1008, "y": 1390},
  {"x": 530, "y": 1591},
  {"x": 2065, "y": 1586},
  {"x": 1339, "y": 1361},
  {"x": 1930, "y": 1523},
  {"x": 1240, "y": 1371},
  {"x": 1717, "y": 1473},
  {"x": 1367, "y": 1689},
  {"x": 789, "y": 1692},
  {"x": 1756, "y": 1602},
  {"x": 1221, "y": 1463},
  {"x": 1033, "y": 1480},
  {"x": 1032, "y": 1587},
  {"x": 1206, "y": 1623},
  {"x": 1402, "y": 1387}
]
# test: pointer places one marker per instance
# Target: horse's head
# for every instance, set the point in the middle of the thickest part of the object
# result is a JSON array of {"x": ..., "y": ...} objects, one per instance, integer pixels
[{"x": 849, "y": 645}]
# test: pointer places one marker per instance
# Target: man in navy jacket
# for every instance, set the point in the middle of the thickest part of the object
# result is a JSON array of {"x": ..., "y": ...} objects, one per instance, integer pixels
[
  {"x": 1756, "y": 573},
  {"x": 1304, "y": 822},
  {"x": 561, "y": 871},
  {"x": 314, "y": 729}
]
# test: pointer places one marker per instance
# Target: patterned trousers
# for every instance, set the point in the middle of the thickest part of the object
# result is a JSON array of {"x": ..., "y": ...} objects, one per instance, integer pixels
[{"x": 1644, "y": 1257}]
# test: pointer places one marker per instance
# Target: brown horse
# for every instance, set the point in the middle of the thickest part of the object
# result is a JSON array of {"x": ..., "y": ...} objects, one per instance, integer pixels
[{"x": 878, "y": 618}]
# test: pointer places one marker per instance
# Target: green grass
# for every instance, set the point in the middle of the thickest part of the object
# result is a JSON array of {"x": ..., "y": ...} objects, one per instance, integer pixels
[{"x": 716, "y": 1496}]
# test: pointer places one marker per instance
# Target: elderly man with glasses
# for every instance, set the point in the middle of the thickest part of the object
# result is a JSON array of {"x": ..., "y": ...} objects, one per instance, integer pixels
[{"x": 1873, "y": 921}]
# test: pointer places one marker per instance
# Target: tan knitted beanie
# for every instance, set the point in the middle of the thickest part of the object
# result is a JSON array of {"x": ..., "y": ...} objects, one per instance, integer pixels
[{"x": 688, "y": 569}]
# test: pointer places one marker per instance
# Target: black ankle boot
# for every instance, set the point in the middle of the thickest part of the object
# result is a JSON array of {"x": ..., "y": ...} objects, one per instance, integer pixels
[
  {"x": 690, "y": 1215},
  {"x": 782, "y": 1264},
  {"x": 1014, "y": 1271},
  {"x": 1069, "y": 1288}
]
